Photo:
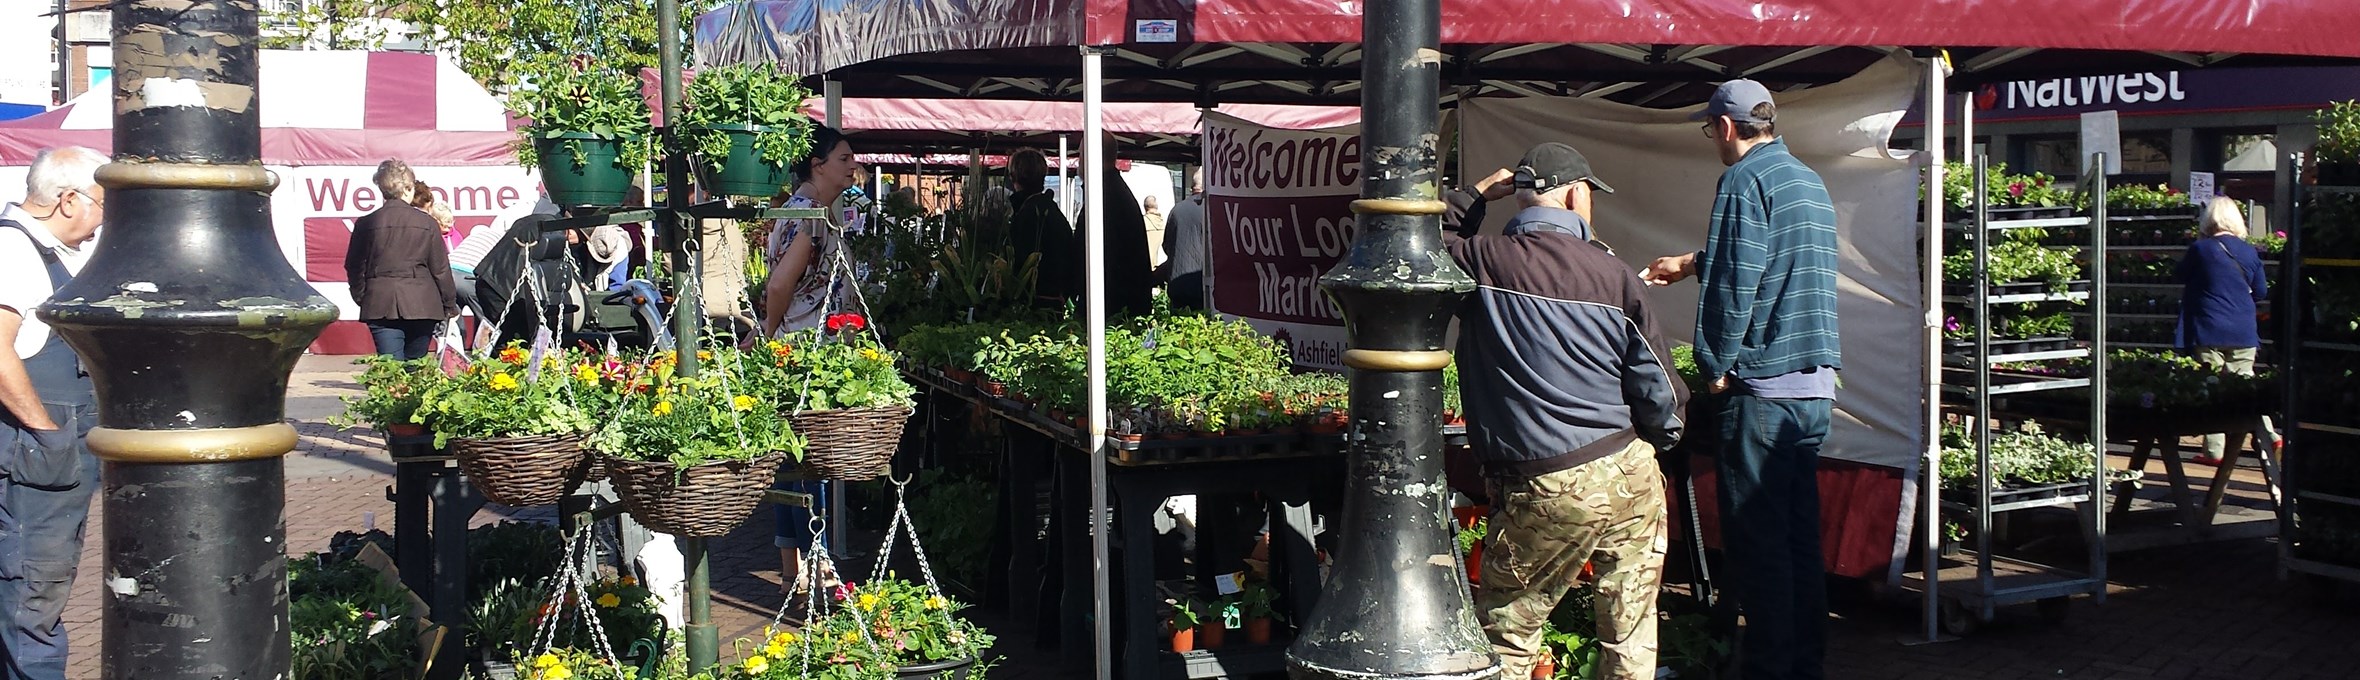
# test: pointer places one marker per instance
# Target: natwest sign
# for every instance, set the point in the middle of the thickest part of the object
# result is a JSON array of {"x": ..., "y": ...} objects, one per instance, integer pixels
[{"x": 2152, "y": 93}]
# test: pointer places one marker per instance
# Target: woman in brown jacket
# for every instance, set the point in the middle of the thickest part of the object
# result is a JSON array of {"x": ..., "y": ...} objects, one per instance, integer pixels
[{"x": 399, "y": 270}]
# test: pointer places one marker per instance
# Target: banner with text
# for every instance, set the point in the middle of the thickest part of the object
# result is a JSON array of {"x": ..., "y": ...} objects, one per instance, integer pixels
[{"x": 1277, "y": 216}]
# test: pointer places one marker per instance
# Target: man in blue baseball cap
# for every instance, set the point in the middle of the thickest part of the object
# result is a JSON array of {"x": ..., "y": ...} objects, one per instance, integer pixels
[{"x": 1766, "y": 333}]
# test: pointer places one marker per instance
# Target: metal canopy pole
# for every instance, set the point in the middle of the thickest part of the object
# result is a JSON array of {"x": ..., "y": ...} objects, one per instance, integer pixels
[
  {"x": 1395, "y": 604},
  {"x": 1930, "y": 282},
  {"x": 1094, "y": 271},
  {"x": 189, "y": 320},
  {"x": 702, "y": 637},
  {"x": 1064, "y": 190}
]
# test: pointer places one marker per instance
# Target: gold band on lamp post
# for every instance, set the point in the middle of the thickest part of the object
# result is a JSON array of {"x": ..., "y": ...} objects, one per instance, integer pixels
[
  {"x": 219, "y": 445},
  {"x": 1401, "y": 361},
  {"x": 1398, "y": 206},
  {"x": 121, "y": 175}
]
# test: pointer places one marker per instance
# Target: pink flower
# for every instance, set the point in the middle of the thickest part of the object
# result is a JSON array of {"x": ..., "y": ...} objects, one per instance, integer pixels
[
  {"x": 2281, "y": 234},
  {"x": 2016, "y": 189}
]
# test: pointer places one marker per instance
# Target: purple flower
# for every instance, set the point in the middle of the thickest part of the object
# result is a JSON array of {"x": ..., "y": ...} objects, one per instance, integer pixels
[{"x": 1950, "y": 324}]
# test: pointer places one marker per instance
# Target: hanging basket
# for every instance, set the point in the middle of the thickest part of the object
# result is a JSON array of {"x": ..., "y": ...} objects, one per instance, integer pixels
[
  {"x": 703, "y": 501},
  {"x": 743, "y": 172},
  {"x": 849, "y": 444},
  {"x": 522, "y": 472},
  {"x": 596, "y": 178},
  {"x": 954, "y": 669}
]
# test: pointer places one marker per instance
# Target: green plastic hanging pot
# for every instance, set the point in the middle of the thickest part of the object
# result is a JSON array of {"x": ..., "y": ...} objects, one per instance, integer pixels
[
  {"x": 595, "y": 177},
  {"x": 743, "y": 172}
]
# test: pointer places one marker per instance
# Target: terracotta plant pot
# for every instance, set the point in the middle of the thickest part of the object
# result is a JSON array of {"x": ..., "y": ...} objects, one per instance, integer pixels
[
  {"x": 1130, "y": 437},
  {"x": 1210, "y": 634},
  {"x": 1547, "y": 668},
  {"x": 1475, "y": 564},
  {"x": 1184, "y": 640},
  {"x": 1258, "y": 631}
]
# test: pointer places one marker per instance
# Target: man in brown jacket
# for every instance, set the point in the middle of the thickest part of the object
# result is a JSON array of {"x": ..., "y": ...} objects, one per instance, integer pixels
[{"x": 399, "y": 270}]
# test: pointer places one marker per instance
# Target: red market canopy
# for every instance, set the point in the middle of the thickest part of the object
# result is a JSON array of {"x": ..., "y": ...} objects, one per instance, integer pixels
[{"x": 1638, "y": 51}]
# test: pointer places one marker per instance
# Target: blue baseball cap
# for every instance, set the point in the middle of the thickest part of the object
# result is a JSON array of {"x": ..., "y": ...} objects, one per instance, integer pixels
[{"x": 1736, "y": 99}]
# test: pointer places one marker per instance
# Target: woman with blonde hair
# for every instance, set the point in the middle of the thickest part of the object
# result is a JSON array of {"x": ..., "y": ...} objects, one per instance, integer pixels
[{"x": 2222, "y": 287}]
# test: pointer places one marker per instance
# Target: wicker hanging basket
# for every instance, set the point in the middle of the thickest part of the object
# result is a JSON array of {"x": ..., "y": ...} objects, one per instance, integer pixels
[
  {"x": 703, "y": 501},
  {"x": 522, "y": 472},
  {"x": 849, "y": 444}
]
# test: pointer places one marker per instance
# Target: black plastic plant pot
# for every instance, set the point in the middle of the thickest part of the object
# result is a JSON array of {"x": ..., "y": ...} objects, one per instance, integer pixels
[
  {"x": 743, "y": 172},
  {"x": 595, "y": 176},
  {"x": 954, "y": 669}
]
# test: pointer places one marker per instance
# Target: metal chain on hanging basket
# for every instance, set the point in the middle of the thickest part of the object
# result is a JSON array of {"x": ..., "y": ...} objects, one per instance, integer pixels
[
  {"x": 901, "y": 518},
  {"x": 567, "y": 587},
  {"x": 815, "y": 562}
]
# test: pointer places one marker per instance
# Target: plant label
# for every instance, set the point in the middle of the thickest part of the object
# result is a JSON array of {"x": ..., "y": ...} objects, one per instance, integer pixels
[
  {"x": 2101, "y": 133},
  {"x": 2200, "y": 188},
  {"x": 1227, "y": 584}
]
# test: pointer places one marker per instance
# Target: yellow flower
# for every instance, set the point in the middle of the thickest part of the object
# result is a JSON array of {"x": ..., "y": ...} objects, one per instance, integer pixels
[
  {"x": 783, "y": 638},
  {"x": 662, "y": 408},
  {"x": 609, "y": 601},
  {"x": 703, "y": 355},
  {"x": 556, "y": 673},
  {"x": 851, "y": 637},
  {"x": 628, "y": 581},
  {"x": 871, "y": 353},
  {"x": 868, "y": 601},
  {"x": 775, "y": 649},
  {"x": 502, "y": 382},
  {"x": 586, "y": 373},
  {"x": 545, "y": 661},
  {"x": 743, "y": 402},
  {"x": 936, "y": 602},
  {"x": 757, "y": 664}
]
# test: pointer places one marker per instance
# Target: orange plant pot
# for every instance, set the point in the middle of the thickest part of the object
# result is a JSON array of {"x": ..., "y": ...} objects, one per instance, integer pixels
[{"x": 1184, "y": 640}]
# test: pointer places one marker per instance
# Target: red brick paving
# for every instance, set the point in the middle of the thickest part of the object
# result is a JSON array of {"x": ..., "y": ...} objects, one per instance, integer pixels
[{"x": 2213, "y": 611}]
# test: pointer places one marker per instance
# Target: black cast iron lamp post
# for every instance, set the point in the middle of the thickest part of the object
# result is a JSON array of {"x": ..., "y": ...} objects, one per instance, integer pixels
[
  {"x": 1395, "y": 604},
  {"x": 189, "y": 319}
]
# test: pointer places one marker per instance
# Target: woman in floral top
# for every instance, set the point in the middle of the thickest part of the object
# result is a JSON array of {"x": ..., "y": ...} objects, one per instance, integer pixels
[{"x": 804, "y": 285}]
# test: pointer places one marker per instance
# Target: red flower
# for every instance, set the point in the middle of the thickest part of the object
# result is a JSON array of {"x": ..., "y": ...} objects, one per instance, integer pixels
[{"x": 839, "y": 322}]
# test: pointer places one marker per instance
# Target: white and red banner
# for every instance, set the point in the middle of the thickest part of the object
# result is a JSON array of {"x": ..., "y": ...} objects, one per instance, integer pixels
[{"x": 1278, "y": 216}]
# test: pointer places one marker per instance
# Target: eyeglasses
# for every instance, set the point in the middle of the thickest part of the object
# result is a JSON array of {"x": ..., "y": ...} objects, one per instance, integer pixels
[{"x": 1708, "y": 129}]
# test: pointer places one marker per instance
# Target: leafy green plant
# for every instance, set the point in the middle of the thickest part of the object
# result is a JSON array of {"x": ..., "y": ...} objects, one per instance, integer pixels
[
  {"x": 2339, "y": 133},
  {"x": 1184, "y": 614},
  {"x": 1257, "y": 601},
  {"x": 587, "y": 99},
  {"x": 2143, "y": 197},
  {"x": 693, "y": 421},
  {"x": 510, "y": 394},
  {"x": 839, "y": 366},
  {"x": 391, "y": 391},
  {"x": 747, "y": 94},
  {"x": 958, "y": 539},
  {"x": 2020, "y": 457},
  {"x": 1471, "y": 535},
  {"x": 348, "y": 622}
]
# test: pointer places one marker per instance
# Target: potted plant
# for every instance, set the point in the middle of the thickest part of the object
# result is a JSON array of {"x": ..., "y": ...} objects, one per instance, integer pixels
[
  {"x": 746, "y": 123},
  {"x": 1213, "y": 632},
  {"x": 514, "y": 424},
  {"x": 586, "y": 129},
  {"x": 1470, "y": 538},
  {"x": 2338, "y": 151},
  {"x": 391, "y": 392},
  {"x": 840, "y": 391},
  {"x": 886, "y": 628},
  {"x": 692, "y": 456},
  {"x": 573, "y": 664},
  {"x": 1184, "y": 623},
  {"x": 1260, "y": 609}
]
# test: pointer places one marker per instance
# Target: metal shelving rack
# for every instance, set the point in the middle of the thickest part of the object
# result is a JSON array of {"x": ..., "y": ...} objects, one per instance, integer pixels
[
  {"x": 2312, "y": 433},
  {"x": 1973, "y": 585}
]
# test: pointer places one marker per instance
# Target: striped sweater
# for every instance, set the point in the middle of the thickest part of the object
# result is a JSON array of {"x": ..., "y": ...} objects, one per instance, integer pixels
[{"x": 1768, "y": 270}]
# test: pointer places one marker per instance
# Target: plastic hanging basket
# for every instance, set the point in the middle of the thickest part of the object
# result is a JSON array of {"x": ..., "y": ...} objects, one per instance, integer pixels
[
  {"x": 703, "y": 501},
  {"x": 522, "y": 472},
  {"x": 954, "y": 669},
  {"x": 850, "y": 444},
  {"x": 596, "y": 177},
  {"x": 743, "y": 172}
]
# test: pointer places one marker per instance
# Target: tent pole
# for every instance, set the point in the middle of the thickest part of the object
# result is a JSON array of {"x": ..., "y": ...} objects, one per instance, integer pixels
[
  {"x": 703, "y": 638},
  {"x": 1395, "y": 604},
  {"x": 1930, "y": 286},
  {"x": 839, "y": 530},
  {"x": 1064, "y": 190},
  {"x": 1094, "y": 257}
]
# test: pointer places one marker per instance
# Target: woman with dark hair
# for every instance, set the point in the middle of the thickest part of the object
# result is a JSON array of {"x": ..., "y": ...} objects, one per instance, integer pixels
[
  {"x": 803, "y": 288},
  {"x": 1037, "y": 227}
]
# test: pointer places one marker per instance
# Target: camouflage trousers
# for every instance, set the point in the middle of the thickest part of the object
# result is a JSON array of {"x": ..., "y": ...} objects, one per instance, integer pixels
[{"x": 1607, "y": 512}]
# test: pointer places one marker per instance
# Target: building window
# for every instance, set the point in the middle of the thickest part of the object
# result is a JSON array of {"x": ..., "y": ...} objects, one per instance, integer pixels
[
  {"x": 2143, "y": 154},
  {"x": 2249, "y": 153}
]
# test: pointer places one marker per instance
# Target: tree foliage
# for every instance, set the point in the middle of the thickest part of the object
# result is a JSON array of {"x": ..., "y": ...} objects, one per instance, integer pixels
[
  {"x": 502, "y": 44},
  {"x": 328, "y": 24}
]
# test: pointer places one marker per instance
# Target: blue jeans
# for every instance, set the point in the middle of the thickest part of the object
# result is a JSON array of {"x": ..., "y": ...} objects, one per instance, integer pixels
[
  {"x": 794, "y": 523},
  {"x": 403, "y": 339},
  {"x": 1769, "y": 493},
  {"x": 44, "y": 505}
]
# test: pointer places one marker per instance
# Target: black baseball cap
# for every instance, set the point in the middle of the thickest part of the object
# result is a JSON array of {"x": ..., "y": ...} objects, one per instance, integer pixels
[{"x": 1555, "y": 164}]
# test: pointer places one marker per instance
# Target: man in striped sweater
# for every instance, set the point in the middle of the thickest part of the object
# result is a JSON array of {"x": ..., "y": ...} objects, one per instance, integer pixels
[{"x": 1766, "y": 332}]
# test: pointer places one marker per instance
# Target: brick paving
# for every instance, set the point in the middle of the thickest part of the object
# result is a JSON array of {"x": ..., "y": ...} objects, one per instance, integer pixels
[{"x": 2215, "y": 610}]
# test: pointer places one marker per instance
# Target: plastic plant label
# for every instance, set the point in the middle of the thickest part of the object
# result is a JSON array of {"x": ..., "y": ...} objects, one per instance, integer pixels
[
  {"x": 1228, "y": 584},
  {"x": 1232, "y": 617}
]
